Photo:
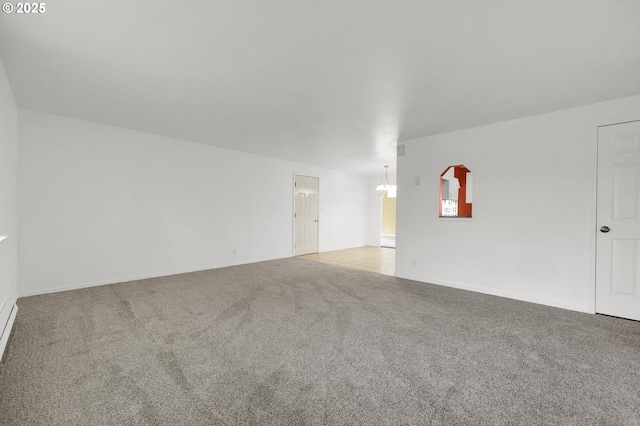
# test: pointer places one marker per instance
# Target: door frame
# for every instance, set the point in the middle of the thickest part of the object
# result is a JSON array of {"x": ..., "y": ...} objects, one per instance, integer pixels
[
  {"x": 612, "y": 121},
  {"x": 293, "y": 211}
]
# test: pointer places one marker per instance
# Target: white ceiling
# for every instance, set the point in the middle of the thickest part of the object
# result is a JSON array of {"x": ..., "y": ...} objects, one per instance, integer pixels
[{"x": 330, "y": 83}]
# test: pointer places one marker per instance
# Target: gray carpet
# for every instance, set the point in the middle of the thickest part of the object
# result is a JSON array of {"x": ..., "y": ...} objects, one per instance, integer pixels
[{"x": 298, "y": 342}]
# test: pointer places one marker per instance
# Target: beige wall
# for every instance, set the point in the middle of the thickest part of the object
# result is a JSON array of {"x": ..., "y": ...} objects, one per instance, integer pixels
[{"x": 388, "y": 216}]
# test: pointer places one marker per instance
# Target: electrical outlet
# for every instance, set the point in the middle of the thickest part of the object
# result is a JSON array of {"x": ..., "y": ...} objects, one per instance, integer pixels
[
  {"x": 414, "y": 262},
  {"x": 235, "y": 251}
]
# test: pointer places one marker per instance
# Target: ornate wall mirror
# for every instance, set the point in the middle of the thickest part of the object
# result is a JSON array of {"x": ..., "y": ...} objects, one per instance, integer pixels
[{"x": 456, "y": 192}]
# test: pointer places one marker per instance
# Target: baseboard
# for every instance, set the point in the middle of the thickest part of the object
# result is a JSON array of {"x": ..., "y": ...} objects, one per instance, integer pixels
[
  {"x": 8, "y": 313},
  {"x": 135, "y": 278},
  {"x": 501, "y": 293}
]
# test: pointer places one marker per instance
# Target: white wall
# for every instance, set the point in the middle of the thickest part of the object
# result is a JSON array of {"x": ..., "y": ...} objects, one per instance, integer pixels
[
  {"x": 375, "y": 212},
  {"x": 8, "y": 209},
  {"x": 8, "y": 200},
  {"x": 100, "y": 204},
  {"x": 532, "y": 235}
]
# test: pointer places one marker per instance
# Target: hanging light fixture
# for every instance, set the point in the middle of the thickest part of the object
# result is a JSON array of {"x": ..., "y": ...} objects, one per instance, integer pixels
[{"x": 385, "y": 185}]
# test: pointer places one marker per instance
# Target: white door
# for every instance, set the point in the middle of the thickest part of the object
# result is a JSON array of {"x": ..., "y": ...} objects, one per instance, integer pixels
[
  {"x": 618, "y": 221},
  {"x": 306, "y": 215}
]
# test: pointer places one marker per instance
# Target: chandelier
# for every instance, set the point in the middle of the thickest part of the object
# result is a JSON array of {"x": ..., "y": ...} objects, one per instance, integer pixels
[{"x": 386, "y": 186}]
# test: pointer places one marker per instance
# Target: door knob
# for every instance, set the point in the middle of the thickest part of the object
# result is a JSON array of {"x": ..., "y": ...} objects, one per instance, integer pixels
[
  {"x": 316, "y": 220},
  {"x": 604, "y": 229}
]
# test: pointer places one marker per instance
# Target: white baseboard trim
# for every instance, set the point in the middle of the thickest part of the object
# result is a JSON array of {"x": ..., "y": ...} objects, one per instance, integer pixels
[
  {"x": 502, "y": 293},
  {"x": 8, "y": 313},
  {"x": 135, "y": 278}
]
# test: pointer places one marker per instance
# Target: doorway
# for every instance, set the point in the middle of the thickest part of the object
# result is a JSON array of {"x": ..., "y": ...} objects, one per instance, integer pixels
[
  {"x": 618, "y": 221},
  {"x": 305, "y": 214},
  {"x": 388, "y": 222}
]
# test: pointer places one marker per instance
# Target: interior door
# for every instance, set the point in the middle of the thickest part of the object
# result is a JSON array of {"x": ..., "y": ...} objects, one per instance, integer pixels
[
  {"x": 618, "y": 221},
  {"x": 306, "y": 214}
]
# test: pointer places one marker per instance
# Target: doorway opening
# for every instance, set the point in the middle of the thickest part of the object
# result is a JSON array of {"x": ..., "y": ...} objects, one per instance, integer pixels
[{"x": 388, "y": 221}]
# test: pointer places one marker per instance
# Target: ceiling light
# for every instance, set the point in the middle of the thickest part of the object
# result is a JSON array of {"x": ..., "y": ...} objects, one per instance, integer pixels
[{"x": 385, "y": 185}]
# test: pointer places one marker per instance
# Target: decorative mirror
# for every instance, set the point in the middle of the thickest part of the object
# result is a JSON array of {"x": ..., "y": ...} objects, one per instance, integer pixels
[{"x": 456, "y": 192}]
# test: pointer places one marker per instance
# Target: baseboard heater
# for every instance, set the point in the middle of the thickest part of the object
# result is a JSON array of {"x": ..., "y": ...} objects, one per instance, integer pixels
[
  {"x": 388, "y": 240},
  {"x": 8, "y": 312}
]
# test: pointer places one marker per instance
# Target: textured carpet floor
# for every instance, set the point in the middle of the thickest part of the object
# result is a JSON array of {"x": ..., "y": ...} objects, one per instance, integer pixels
[{"x": 298, "y": 342}]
